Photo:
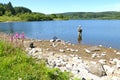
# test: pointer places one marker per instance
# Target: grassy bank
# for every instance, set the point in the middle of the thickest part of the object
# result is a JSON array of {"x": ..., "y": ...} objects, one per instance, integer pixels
[
  {"x": 9, "y": 18},
  {"x": 16, "y": 65}
]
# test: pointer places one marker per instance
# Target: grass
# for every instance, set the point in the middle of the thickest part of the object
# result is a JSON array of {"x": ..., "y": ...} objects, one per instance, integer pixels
[
  {"x": 9, "y": 18},
  {"x": 16, "y": 65}
]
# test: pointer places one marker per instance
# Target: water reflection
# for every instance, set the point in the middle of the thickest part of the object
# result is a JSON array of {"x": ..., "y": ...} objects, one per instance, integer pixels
[
  {"x": 11, "y": 29},
  {"x": 79, "y": 34},
  {"x": 79, "y": 38}
]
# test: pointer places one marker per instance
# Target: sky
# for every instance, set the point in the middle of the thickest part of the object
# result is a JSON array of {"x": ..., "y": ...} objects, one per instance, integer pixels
[{"x": 62, "y": 6}]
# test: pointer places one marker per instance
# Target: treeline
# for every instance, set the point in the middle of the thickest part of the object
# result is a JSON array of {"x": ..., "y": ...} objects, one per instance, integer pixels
[
  {"x": 91, "y": 15},
  {"x": 24, "y": 14},
  {"x": 9, "y": 10}
]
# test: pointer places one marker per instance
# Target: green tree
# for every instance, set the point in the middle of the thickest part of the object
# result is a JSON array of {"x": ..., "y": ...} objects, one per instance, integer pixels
[
  {"x": 2, "y": 9},
  {"x": 53, "y": 16},
  {"x": 9, "y": 8},
  {"x": 22, "y": 10}
]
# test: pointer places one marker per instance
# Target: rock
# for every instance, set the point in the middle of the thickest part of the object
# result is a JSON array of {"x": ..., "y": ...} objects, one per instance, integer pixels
[
  {"x": 112, "y": 62},
  {"x": 96, "y": 69},
  {"x": 69, "y": 67},
  {"x": 89, "y": 70},
  {"x": 51, "y": 53},
  {"x": 94, "y": 48},
  {"x": 100, "y": 46},
  {"x": 93, "y": 62},
  {"x": 34, "y": 50},
  {"x": 118, "y": 53},
  {"x": 115, "y": 51},
  {"x": 115, "y": 78},
  {"x": 103, "y": 54},
  {"x": 48, "y": 49},
  {"x": 28, "y": 44},
  {"x": 31, "y": 45},
  {"x": 28, "y": 49},
  {"x": 68, "y": 49},
  {"x": 54, "y": 45},
  {"x": 108, "y": 69},
  {"x": 105, "y": 78},
  {"x": 87, "y": 51},
  {"x": 83, "y": 79},
  {"x": 61, "y": 50},
  {"x": 76, "y": 50},
  {"x": 94, "y": 55},
  {"x": 69, "y": 43},
  {"x": 110, "y": 47},
  {"x": 58, "y": 40},
  {"x": 52, "y": 40},
  {"x": 72, "y": 50},
  {"x": 102, "y": 61},
  {"x": 117, "y": 63},
  {"x": 117, "y": 71}
]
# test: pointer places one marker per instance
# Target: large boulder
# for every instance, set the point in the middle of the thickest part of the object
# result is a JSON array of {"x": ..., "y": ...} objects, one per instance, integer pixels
[{"x": 96, "y": 69}]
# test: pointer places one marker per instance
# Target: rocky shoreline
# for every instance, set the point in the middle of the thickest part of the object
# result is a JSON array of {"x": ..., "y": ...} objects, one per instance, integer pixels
[{"x": 84, "y": 62}]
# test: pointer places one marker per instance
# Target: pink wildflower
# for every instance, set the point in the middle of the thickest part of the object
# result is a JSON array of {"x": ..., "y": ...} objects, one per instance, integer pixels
[
  {"x": 22, "y": 35},
  {"x": 17, "y": 35}
]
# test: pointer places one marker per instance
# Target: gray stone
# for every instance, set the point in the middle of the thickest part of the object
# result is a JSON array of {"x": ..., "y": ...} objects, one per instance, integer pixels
[
  {"x": 94, "y": 48},
  {"x": 115, "y": 78},
  {"x": 108, "y": 69},
  {"x": 88, "y": 51},
  {"x": 29, "y": 44},
  {"x": 52, "y": 40},
  {"x": 96, "y": 69},
  {"x": 61, "y": 50},
  {"x": 117, "y": 63},
  {"x": 94, "y": 55},
  {"x": 118, "y": 53},
  {"x": 58, "y": 40},
  {"x": 102, "y": 61}
]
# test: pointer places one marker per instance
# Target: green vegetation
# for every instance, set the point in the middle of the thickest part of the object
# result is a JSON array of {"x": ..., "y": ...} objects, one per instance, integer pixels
[
  {"x": 24, "y": 14},
  {"x": 9, "y": 18},
  {"x": 92, "y": 15},
  {"x": 16, "y": 65},
  {"x": 86, "y": 15},
  {"x": 10, "y": 13}
]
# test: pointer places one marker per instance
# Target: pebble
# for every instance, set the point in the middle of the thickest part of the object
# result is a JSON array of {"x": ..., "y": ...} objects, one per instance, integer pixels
[
  {"x": 61, "y": 50},
  {"x": 94, "y": 55},
  {"x": 100, "y": 46},
  {"x": 102, "y": 61},
  {"x": 118, "y": 53}
]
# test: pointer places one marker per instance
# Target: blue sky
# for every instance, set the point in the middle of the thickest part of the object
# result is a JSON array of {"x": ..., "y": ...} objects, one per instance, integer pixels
[{"x": 61, "y": 6}]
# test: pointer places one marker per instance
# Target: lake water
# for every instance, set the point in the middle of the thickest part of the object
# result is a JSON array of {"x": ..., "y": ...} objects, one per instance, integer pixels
[{"x": 95, "y": 32}]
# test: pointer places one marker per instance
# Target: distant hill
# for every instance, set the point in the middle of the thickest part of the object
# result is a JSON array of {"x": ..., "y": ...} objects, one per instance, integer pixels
[{"x": 91, "y": 15}]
